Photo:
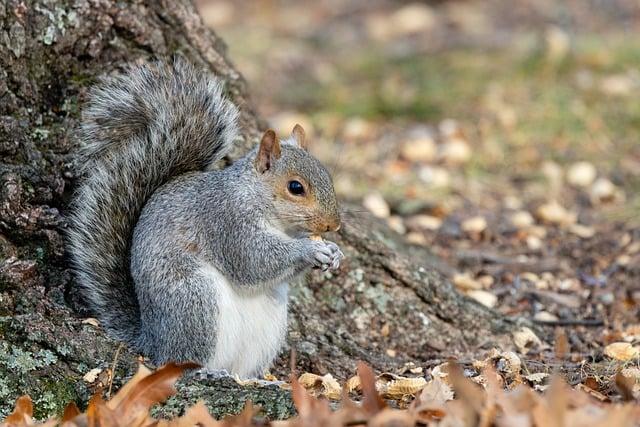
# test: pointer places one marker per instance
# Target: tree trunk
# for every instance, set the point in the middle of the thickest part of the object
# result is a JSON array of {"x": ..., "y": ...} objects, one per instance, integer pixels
[{"x": 382, "y": 301}]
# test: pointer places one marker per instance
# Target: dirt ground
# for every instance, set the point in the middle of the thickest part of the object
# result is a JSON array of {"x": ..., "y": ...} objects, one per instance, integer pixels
[{"x": 504, "y": 139}]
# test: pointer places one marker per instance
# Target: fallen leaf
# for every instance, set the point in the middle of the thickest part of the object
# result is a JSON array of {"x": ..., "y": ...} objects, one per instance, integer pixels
[
  {"x": 196, "y": 415},
  {"x": 464, "y": 281},
  {"x": 581, "y": 174},
  {"x": 419, "y": 150},
  {"x": 521, "y": 219},
  {"x": 483, "y": 297},
  {"x": 537, "y": 377},
  {"x": 153, "y": 388},
  {"x": 371, "y": 400},
  {"x": 476, "y": 224},
  {"x": 401, "y": 387},
  {"x": 622, "y": 351},
  {"x": 70, "y": 412},
  {"x": 22, "y": 412},
  {"x": 325, "y": 385},
  {"x": 524, "y": 339},
  {"x": 92, "y": 375},
  {"x": 455, "y": 151},
  {"x": 554, "y": 213},
  {"x": 376, "y": 204}
]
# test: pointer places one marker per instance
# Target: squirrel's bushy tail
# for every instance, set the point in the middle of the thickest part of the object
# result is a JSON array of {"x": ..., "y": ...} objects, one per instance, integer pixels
[{"x": 139, "y": 130}]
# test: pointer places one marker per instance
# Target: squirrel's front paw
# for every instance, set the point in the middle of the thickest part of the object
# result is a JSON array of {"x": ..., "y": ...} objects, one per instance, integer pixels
[{"x": 325, "y": 255}]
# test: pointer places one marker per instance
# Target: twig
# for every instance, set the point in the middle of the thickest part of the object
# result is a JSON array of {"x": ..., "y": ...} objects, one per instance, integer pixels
[
  {"x": 593, "y": 323},
  {"x": 113, "y": 369}
]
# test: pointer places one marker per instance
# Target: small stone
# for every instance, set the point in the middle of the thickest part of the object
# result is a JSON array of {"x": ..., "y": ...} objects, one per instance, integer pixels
[
  {"x": 391, "y": 352},
  {"x": 376, "y": 204},
  {"x": 581, "y": 174},
  {"x": 521, "y": 219},
  {"x": 465, "y": 282},
  {"x": 423, "y": 222},
  {"x": 483, "y": 297},
  {"x": 456, "y": 151},
  {"x": 419, "y": 150}
]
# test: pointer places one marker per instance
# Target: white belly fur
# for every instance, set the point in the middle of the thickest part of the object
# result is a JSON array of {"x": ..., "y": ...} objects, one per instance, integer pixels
[{"x": 251, "y": 328}]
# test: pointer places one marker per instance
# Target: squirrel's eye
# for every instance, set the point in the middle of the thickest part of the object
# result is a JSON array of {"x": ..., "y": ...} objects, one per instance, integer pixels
[{"x": 295, "y": 187}]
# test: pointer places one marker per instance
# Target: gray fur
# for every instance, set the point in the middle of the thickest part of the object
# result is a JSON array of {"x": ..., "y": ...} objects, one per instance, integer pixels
[
  {"x": 139, "y": 129},
  {"x": 149, "y": 216}
]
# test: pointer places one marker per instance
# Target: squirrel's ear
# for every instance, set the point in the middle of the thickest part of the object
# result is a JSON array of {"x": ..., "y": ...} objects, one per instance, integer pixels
[
  {"x": 300, "y": 136},
  {"x": 268, "y": 152}
]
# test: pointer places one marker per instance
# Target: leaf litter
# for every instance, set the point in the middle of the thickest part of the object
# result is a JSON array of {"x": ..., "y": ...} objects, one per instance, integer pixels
[{"x": 452, "y": 396}]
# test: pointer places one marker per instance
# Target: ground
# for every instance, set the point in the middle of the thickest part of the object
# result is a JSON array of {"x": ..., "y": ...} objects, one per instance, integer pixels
[
  {"x": 501, "y": 140},
  {"x": 505, "y": 141}
]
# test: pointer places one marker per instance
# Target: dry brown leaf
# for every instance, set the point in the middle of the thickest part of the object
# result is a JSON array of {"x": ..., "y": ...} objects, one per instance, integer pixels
[
  {"x": 622, "y": 351},
  {"x": 466, "y": 390},
  {"x": 142, "y": 373},
  {"x": 325, "y": 385},
  {"x": 430, "y": 403},
  {"x": 561, "y": 346},
  {"x": 22, "y": 412},
  {"x": 197, "y": 414},
  {"x": 371, "y": 400},
  {"x": 402, "y": 387},
  {"x": 392, "y": 417},
  {"x": 92, "y": 375},
  {"x": 353, "y": 384},
  {"x": 70, "y": 412},
  {"x": 148, "y": 391},
  {"x": 311, "y": 411},
  {"x": 524, "y": 339},
  {"x": 625, "y": 386},
  {"x": 99, "y": 414}
]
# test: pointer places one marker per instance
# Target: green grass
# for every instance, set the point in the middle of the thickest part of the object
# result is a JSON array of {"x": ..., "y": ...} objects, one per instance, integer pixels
[{"x": 558, "y": 117}]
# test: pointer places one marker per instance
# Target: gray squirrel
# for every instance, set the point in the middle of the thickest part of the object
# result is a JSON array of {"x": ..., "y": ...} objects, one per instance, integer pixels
[{"x": 182, "y": 262}]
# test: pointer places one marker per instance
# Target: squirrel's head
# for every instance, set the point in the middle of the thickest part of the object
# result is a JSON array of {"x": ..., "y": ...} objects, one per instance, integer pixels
[{"x": 302, "y": 190}]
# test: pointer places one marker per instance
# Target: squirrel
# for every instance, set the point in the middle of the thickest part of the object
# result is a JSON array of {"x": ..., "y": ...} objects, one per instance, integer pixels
[{"x": 181, "y": 261}]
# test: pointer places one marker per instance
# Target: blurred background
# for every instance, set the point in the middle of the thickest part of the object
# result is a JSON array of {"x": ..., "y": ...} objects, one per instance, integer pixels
[{"x": 501, "y": 135}]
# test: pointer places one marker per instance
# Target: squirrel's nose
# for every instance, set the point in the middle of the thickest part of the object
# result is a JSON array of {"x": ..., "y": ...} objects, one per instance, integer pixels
[{"x": 335, "y": 226}]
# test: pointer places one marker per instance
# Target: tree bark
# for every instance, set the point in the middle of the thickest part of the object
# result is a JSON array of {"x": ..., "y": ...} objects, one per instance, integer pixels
[{"x": 386, "y": 298}]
